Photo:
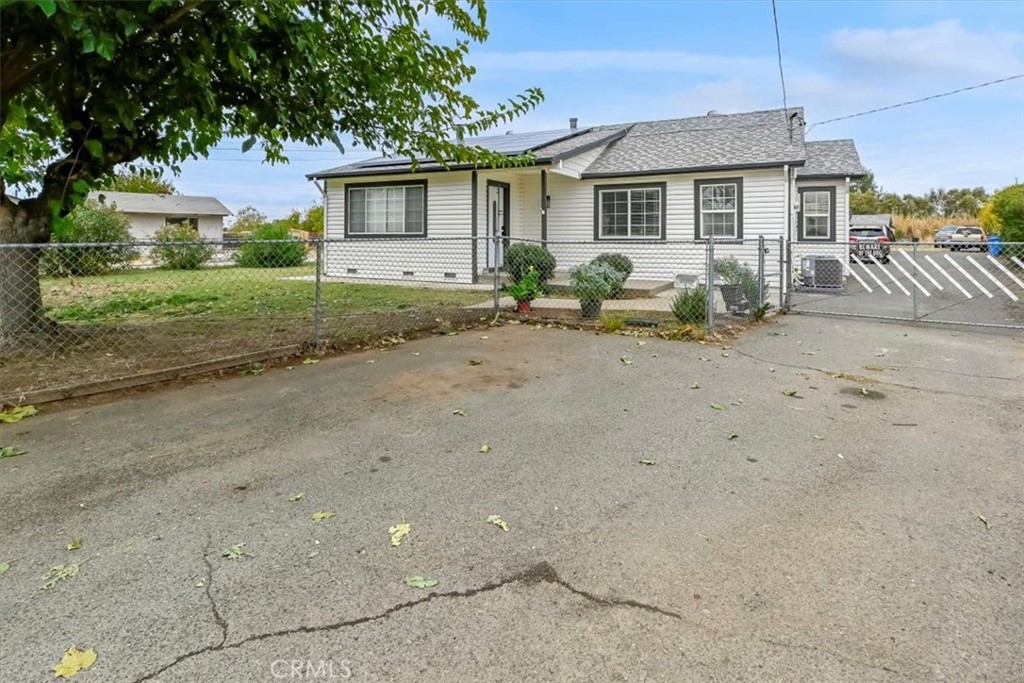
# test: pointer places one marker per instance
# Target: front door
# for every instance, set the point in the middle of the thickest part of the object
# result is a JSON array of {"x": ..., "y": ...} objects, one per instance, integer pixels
[{"x": 497, "y": 223}]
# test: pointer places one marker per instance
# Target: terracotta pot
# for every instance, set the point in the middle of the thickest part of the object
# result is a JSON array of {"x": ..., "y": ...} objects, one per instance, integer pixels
[{"x": 522, "y": 307}]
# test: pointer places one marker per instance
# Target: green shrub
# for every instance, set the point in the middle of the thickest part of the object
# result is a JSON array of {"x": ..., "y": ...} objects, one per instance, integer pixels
[
  {"x": 595, "y": 282},
  {"x": 520, "y": 257},
  {"x": 90, "y": 222},
  {"x": 1008, "y": 207},
  {"x": 527, "y": 289},
  {"x": 180, "y": 248},
  {"x": 736, "y": 273},
  {"x": 619, "y": 262},
  {"x": 690, "y": 306},
  {"x": 284, "y": 253}
]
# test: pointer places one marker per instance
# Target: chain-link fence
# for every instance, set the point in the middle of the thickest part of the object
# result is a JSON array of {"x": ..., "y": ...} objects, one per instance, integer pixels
[
  {"x": 978, "y": 283},
  {"x": 102, "y": 312}
]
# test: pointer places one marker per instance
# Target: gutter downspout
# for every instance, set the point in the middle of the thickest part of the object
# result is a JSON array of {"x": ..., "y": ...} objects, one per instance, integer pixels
[{"x": 543, "y": 207}]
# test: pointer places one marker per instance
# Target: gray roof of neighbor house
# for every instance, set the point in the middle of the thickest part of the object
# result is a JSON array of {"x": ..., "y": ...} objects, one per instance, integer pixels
[
  {"x": 882, "y": 219},
  {"x": 698, "y": 143},
  {"x": 164, "y": 204},
  {"x": 832, "y": 159}
]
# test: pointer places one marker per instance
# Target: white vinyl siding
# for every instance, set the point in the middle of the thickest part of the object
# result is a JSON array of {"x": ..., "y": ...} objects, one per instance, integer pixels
[{"x": 817, "y": 215}]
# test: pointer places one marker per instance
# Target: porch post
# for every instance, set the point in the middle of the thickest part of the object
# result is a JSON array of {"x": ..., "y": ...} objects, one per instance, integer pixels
[{"x": 544, "y": 206}]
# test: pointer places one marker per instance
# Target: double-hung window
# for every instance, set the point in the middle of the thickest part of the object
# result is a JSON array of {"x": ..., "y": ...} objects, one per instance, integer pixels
[
  {"x": 387, "y": 209},
  {"x": 817, "y": 213},
  {"x": 719, "y": 208},
  {"x": 629, "y": 211}
]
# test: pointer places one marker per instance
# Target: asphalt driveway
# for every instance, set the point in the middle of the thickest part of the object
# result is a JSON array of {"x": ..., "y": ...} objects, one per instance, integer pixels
[{"x": 813, "y": 513}]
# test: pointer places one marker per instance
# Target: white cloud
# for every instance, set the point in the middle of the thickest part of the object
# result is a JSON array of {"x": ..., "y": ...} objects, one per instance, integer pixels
[
  {"x": 590, "y": 60},
  {"x": 941, "y": 49},
  {"x": 725, "y": 97}
]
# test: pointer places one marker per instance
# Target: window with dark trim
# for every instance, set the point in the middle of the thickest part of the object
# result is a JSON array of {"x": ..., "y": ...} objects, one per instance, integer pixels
[
  {"x": 175, "y": 221},
  {"x": 718, "y": 208},
  {"x": 386, "y": 209},
  {"x": 817, "y": 216},
  {"x": 629, "y": 212}
]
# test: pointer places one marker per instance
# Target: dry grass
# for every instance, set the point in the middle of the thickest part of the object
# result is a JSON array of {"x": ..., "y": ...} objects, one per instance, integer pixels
[{"x": 909, "y": 227}]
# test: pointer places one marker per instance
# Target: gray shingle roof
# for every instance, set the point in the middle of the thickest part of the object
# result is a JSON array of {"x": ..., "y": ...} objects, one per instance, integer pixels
[
  {"x": 832, "y": 158},
  {"x": 882, "y": 219},
  {"x": 760, "y": 138},
  {"x": 165, "y": 204},
  {"x": 730, "y": 141}
]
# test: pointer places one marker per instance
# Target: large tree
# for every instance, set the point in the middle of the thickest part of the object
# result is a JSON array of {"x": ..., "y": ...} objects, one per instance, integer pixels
[{"x": 86, "y": 87}]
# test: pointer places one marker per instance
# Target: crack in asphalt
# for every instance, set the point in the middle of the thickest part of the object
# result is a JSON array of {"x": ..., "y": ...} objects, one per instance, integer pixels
[
  {"x": 217, "y": 617},
  {"x": 539, "y": 573}
]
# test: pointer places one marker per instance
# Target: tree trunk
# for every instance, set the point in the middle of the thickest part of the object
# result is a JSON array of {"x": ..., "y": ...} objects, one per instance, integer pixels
[{"x": 22, "y": 320}]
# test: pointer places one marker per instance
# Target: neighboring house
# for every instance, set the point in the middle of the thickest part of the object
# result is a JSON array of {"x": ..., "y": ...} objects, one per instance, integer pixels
[
  {"x": 628, "y": 188},
  {"x": 151, "y": 212}
]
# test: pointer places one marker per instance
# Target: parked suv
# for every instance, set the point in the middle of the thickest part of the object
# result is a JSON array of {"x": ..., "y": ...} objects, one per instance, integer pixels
[
  {"x": 968, "y": 238},
  {"x": 874, "y": 241}
]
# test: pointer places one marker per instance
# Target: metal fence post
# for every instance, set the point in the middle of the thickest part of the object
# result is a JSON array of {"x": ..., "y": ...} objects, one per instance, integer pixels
[
  {"x": 497, "y": 270},
  {"x": 318, "y": 308},
  {"x": 912, "y": 284},
  {"x": 782, "y": 273},
  {"x": 760, "y": 271},
  {"x": 710, "y": 322},
  {"x": 787, "y": 268}
]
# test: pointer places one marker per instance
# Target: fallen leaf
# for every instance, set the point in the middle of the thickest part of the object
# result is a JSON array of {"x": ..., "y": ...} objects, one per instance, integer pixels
[
  {"x": 474, "y": 361},
  {"x": 17, "y": 414},
  {"x": 295, "y": 497},
  {"x": 4, "y": 566},
  {"x": 484, "y": 337},
  {"x": 718, "y": 406},
  {"x": 73, "y": 661},
  {"x": 864, "y": 392},
  {"x": 725, "y": 354},
  {"x": 695, "y": 386},
  {"x": 840, "y": 456},
  {"x": 732, "y": 436},
  {"x": 460, "y": 412},
  {"x": 485, "y": 448},
  {"x": 234, "y": 552},
  {"x": 649, "y": 463},
  {"x": 253, "y": 369},
  {"x": 321, "y": 516},
  {"x": 791, "y": 393},
  {"x": 809, "y": 353},
  {"x": 62, "y": 572},
  {"x": 625, "y": 361},
  {"x": 398, "y": 533},
  {"x": 875, "y": 368},
  {"x": 498, "y": 522},
  {"x": 420, "y": 582},
  {"x": 416, "y": 354},
  {"x": 74, "y": 544},
  {"x": 778, "y": 334},
  {"x": 704, "y": 358},
  {"x": 984, "y": 520},
  {"x": 370, "y": 362},
  {"x": 11, "y": 451},
  {"x": 819, "y": 438},
  {"x": 310, "y": 361},
  {"x": 771, "y": 369}
]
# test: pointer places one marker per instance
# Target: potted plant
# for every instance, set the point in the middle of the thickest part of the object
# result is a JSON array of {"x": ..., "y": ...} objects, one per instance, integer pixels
[
  {"x": 525, "y": 290},
  {"x": 739, "y": 286},
  {"x": 592, "y": 284}
]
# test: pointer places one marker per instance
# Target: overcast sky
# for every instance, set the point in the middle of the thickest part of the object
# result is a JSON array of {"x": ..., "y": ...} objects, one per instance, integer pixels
[{"x": 611, "y": 62}]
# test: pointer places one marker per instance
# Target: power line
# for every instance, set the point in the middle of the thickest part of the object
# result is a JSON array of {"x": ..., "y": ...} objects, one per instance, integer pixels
[
  {"x": 782, "y": 76},
  {"x": 918, "y": 101}
]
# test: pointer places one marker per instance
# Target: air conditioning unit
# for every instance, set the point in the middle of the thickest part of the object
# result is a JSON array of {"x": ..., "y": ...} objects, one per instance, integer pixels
[{"x": 823, "y": 273}]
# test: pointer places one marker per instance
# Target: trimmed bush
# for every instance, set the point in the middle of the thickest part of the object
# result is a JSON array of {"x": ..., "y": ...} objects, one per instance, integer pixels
[
  {"x": 180, "y": 248},
  {"x": 285, "y": 253},
  {"x": 619, "y": 262},
  {"x": 90, "y": 222},
  {"x": 690, "y": 306},
  {"x": 520, "y": 257}
]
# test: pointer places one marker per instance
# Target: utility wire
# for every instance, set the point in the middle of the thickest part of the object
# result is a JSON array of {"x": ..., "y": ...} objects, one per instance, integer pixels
[
  {"x": 782, "y": 76},
  {"x": 918, "y": 101}
]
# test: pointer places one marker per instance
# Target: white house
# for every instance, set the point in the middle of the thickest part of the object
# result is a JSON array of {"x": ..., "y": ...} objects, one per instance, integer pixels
[
  {"x": 151, "y": 212},
  {"x": 633, "y": 188}
]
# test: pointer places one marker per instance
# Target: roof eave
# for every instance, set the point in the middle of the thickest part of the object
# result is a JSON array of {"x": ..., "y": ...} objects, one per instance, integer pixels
[
  {"x": 831, "y": 176},
  {"x": 692, "y": 169},
  {"x": 407, "y": 170},
  {"x": 607, "y": 140}
]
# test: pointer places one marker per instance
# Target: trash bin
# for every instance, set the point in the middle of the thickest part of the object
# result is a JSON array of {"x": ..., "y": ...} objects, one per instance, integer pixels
[{"x": 995, "y": 245}]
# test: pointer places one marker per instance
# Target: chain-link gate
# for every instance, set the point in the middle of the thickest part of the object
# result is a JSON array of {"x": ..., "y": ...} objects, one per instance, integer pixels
[{"x": 978, "y": 284}]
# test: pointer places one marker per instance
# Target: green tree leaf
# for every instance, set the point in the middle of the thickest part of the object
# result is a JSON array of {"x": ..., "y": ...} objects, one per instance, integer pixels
[{"x": 420, "y": 582}]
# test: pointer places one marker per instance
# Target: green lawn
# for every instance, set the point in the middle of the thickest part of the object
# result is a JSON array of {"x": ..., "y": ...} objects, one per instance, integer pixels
[{"x": 230, "y": 292}]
